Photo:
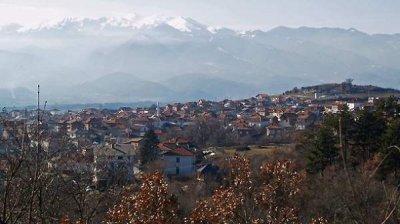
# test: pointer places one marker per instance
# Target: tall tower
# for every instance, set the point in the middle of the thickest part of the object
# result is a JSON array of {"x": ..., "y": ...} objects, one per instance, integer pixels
[{"x": 158, "y": 109}]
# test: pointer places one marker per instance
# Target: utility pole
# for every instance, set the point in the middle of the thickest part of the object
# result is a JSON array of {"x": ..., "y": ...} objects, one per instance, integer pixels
[
  {"x": 340, "y": 140},
  {"x": 37, "y": 160},
  {"x": 24, "y": 131},
  {"x": 38, "y": 124}
]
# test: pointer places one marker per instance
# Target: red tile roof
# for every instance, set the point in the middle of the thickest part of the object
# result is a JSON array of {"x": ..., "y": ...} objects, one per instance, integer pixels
[{"x": 180, "y": 151}]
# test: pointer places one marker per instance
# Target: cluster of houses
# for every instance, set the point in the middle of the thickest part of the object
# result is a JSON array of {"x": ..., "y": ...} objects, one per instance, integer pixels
[{"x": 106, "y": 143}]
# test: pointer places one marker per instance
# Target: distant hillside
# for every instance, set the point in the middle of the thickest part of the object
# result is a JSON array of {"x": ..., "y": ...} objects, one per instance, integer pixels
[
  {"x": 122, "y": 87},
  {"x": 125, "y": 87},
  {"x": 342, "y": 88},
  {"x": 195, "y": 86},
  {"x": 16, "y": 97}
]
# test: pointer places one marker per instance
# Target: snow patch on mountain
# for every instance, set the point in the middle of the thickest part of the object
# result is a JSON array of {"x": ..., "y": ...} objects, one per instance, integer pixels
[{"x": 213, "y": 29}]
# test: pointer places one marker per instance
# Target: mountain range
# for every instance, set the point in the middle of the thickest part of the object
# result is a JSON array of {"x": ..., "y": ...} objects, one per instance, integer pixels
[{"x": 133, "y": 58}]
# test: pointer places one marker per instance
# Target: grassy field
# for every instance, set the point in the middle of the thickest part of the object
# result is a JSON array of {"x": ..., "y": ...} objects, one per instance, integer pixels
[{"x": 257, "y": 150}]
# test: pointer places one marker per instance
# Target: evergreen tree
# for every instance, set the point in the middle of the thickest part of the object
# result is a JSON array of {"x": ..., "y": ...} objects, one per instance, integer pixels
[
  {"x": 323, "y": 151},
  {"x": 390, "y": 154},
  {"x": 149, "y": 148},
  {"x": 368, "y": 131},
  {"x": 347, "y": 122},
  {"x": 346, "y": 128},
  {"x": 388, "y": 107}
]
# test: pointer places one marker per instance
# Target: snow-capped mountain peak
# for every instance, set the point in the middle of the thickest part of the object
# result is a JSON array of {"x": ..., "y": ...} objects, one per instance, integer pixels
[
  {"x": 184, "y": 24},
  {"x": 129, "y": 22},
  {"x": 68, "y": 23},
  {"x": 124, "y": 21},
  {"x": 180, "y": 24}
]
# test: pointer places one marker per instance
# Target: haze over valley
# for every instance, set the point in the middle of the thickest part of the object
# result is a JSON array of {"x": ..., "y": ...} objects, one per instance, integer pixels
[{"x": 159, "y": 58}]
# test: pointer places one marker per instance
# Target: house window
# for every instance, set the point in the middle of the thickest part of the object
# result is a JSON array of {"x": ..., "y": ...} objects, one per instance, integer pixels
[
  {"x": 120, "y": 157},
  {"x": 178, "y": 160},
  {"x": 177, "y": 170}
]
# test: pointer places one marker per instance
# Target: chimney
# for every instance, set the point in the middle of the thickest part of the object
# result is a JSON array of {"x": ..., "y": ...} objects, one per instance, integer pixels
[{"x": 113, "y": 141}]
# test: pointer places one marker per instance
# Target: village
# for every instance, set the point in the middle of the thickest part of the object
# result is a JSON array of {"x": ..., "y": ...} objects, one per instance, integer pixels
[{"x": 105, "y": 144}]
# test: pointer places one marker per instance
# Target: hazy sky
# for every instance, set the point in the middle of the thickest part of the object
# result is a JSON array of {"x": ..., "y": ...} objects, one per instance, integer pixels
[{"x": 373, "y": 16}]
